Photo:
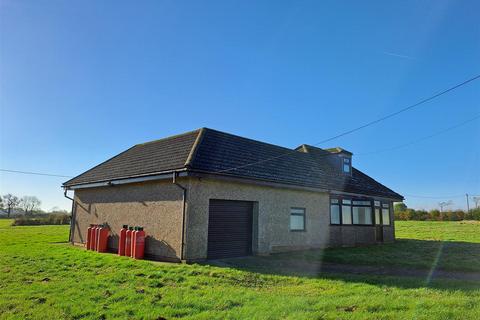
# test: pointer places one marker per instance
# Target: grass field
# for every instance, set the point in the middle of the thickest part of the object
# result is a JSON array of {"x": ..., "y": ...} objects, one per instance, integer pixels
[
  {"x": 42, "y": 277},
  {"x": 450, "y": 246}
]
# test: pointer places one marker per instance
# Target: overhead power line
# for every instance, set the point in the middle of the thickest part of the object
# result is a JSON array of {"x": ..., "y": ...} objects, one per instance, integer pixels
[
  {"x": 401, "y": 110},
  {"x": 337, "y": 136},
  {"x": 420, "y": 139},
  {"x": 362, "y": 126},
  {"x": 35, "y": 173},
  {"x": 435, "y": 197}
]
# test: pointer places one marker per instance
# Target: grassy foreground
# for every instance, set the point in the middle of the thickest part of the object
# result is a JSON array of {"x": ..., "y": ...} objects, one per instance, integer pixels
[
  {"x": 447, "y": 245},
  {"x": 41, "y": 277}
]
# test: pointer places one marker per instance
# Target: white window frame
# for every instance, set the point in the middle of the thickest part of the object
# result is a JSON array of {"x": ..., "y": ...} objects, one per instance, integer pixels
[
  {"x": 386, "y": 206},
  {"x": 298, "y": 212},
  {"x": 346, "y": 163}
]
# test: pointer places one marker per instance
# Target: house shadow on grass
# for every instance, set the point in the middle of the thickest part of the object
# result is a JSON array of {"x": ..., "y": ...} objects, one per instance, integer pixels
[{"x": 407, "y": 263}]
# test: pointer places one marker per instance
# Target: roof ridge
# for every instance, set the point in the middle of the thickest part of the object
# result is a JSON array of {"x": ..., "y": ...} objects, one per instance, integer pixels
[
  {"x": 169, "y": 137},
  {"x": 250, "y": 139},
  {"x": 195, "y": 146}
]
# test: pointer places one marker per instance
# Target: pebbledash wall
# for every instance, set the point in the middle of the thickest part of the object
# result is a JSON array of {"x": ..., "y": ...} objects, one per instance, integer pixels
[
  {"x": 155, "y": 205},
  {"x": 271, "y": 227},
  {"x": 158, "y": 207}
]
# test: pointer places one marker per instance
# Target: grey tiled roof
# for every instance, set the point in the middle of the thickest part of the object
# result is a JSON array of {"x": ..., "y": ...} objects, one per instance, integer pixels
[
  {"x": 218, "y": 152},
  {"x": 142, "y": 159}
]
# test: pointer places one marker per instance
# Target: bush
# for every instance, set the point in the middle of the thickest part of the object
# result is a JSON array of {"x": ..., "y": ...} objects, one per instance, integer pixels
[
  {"x": 53, "y": 218},
  {"x": 435, "y": 215},
  {"x": 473, "y": 214}
]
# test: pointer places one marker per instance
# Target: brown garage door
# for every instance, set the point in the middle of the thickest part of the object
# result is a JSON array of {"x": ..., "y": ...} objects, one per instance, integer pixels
[{"x": 229, "y": 229}]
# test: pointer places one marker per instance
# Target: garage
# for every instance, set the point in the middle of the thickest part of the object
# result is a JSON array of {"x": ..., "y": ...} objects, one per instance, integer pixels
[{"x": 229, "y": 229}]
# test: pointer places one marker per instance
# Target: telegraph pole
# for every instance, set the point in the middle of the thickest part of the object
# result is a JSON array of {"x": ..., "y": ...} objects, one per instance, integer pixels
[{"x": 468, "y": 205}]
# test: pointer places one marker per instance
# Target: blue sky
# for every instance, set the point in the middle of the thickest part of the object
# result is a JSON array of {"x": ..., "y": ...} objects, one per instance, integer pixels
[{"x": 81, "y": 81}]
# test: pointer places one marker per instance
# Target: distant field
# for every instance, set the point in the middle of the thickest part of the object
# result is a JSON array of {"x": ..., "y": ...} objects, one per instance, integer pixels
[
  {"x": 463, "y": 231},
  {"x": 5, "y": 223},
  {"x": 452, "y": 246},
  {"x": 41, "y": 277}
]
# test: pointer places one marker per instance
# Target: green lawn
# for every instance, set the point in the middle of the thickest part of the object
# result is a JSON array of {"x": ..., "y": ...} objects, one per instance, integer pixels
[
  {"x": 450, "y": 246},
  {"x": 43, "y": 278},
  {"x": 462, "y": 231}
]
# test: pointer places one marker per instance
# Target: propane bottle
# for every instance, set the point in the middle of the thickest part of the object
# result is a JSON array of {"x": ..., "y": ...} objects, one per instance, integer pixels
[
  {"x": 93, "y": 238},
  {"x": 134, "y": 233},
  {"x": 97, "y": 235},
  {"x": 128, "y": 242},
  {"x": 139, "y": 243},
  {"x": 89, "y": 237},
  {"x": 103, "y": 238},
  {"x": 121, "y": 240}
]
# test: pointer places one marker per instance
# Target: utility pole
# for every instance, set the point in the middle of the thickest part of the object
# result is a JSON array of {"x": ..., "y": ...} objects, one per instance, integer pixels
[{"x": 468, "y": 205}]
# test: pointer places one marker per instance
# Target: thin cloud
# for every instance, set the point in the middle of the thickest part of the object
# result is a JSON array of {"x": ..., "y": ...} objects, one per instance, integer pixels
[{"x": 399, "y": 55}]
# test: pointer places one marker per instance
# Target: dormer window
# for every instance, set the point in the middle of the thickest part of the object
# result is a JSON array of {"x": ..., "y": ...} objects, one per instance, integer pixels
[{"x": 347, "y": 166}]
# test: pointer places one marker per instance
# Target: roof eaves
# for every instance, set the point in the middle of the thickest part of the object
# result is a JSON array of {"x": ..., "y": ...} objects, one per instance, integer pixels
[
  {"x": 260, "y": 181},
  {"x": 146, "y": 177},
  {"x": 67, "y": 182},
  {"x": 381, "y": 184}
]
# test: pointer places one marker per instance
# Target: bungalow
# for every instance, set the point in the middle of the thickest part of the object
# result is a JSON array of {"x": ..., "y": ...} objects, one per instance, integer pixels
[{"x": 207, "y": 194}]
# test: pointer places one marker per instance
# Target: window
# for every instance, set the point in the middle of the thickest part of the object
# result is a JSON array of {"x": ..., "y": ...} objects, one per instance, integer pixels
[
  {"x": 362, "y": 203},
  {"x": 362, "y": 211},
  {"x": 354, "y": 211},
  {"x": 334, "y": 211},
  {"x": 362, "y": 215},
  {"x": 386, "y": 214},
  {"x": 346, "y": 165},
  {"x": 377, "y": 216},
  {"x": 346, "y": 213},
  {"x": 297, "y": 219}
]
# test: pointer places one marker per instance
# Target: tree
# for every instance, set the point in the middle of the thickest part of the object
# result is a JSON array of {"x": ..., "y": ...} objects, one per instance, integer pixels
[
  {"x": 444, "y": 204},
  {"x": 476, "y": 200},
  {"x": 30, "y": 204},
  {"x": 400, "y": 206},
  {"x": 11, "y": 202}
]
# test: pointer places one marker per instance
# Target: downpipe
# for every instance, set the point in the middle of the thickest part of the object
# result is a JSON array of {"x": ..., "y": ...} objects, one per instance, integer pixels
[
  {"x": 184, "y": 198},
  {"x": 72, "y": 219}
]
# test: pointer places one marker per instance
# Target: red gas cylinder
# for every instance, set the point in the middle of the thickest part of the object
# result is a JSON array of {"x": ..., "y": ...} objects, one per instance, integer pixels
[
  {"x": 102, "y": 238},
  {"x": 121, "y": 240},
  {"x": 99, "y": 228},
  {"x": 89, "y": 237},
  {"x": 139, "y": 243},
  {"x": 93, "y": 238},
  {"x": 128, "y": 242},
  {"x": 134, "y": 233},
  {"x": 97, "y": 236}
]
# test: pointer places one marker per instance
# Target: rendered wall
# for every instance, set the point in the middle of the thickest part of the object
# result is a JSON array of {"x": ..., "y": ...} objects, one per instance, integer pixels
[
  {"x": 155, "y": 205},
  {"x": 271, "y": 214},
  {"x": 158, "y": 207},
  {"x": 272, "y": 219}
]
